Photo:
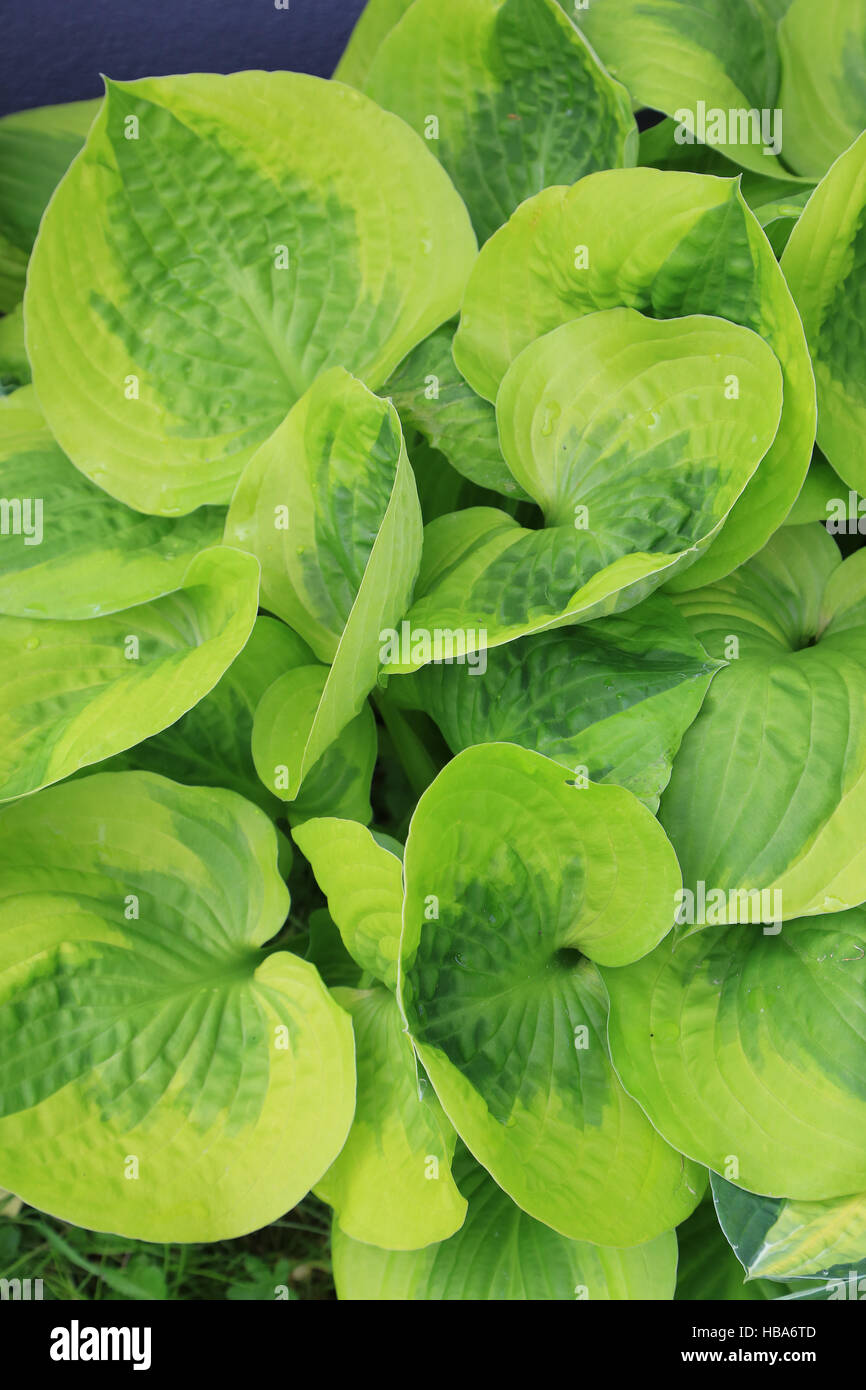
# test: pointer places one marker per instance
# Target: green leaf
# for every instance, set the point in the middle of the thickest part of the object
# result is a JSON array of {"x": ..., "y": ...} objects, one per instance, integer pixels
[
  {"x": 636, "y": 438},
  {"x": 329, "y": 506},
  {"x": 823, "y": 497},
  {"x": 516, "y": 882},
  {"x": 378, "y": 18},
  {"x": 162, "y": 1076},
  {"x": 687, "y": 56},
  {"x": 707, "y": 1268},
  {"x": 14, "y": 367},
  {"x": 746, "y": 1051},
  {"x": 774, "y": 1238},
  {"x": 338, "y": 781},
  {"x": 77, "y": 553},
  {"x": 824, "y": 264},
  {"x": 183, "y": 294},
  {"x": 391, "y": 1185},
  {"x": 363, "y": 883},
  {"x": 823, "y": 82},
  {"x": 501, "y": 1254},
  {"x": 78, "y": 692},
  {"x": 328, "y": 954},
  {"x": 612, "y": 698},
  {"x": 780, "y": 743},
  {"x": 36, "y": 149},
  {"x": 211, "y": 746},
  {"x": 518, "y": 99},
  {"x": 669, "y": 244},
  {"x": 431, "y": 396}
]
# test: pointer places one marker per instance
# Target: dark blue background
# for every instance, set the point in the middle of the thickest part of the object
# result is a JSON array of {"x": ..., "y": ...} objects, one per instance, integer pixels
[{"x": 54, "y": 50}]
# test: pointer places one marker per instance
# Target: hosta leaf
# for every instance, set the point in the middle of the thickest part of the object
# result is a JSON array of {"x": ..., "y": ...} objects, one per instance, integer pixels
[
  {"x": 391, "y": 1185},
  {"x": 14, "y": 366},
  {"x": 338, "y": 781},
  {"x": 13, "y": 274},
  {"x": 77, "y": 692},
  {"x": 823, "y": 82},
  {"x": 825, "y": 264},
  {"x": 509, "y": 96},
  {"x": 674, "y": 54},
  {"x": 363, "y": 883},
  {"x": 778, "y": 1239},
  {"x": 501, "y": 1254},
  {"x": 780, "y": 743},
  {"x": 626, "y": 433},
  {"x": 516, "y": 882},
  {"x": 746, "y": 1051},
  {"x": 211, "y": 746},
  {"x": 823, "y": 496},
  {"x": 162, "y": 1076},
  {"x": 669, "y": 244},
  {"x": 36, "y": 149},
  {"x": 78, "y": 553},
  {"x": 377, "y": 19},
  {"x": 431, "y": 396},
  {"x": 330, "y": 507},
  {"x": 612, "y": 698},
  {"x": 707, "y": 1268},
  {"x": 182, "y": 293}
]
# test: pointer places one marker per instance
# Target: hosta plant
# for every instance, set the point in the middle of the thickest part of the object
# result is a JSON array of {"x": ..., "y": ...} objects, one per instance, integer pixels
[{"x": 434, "y": 629}]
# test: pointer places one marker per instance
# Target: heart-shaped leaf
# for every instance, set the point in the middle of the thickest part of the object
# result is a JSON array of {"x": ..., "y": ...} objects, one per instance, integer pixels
[
  {"x": 746, "y": 1051},
  {"x": 162, "y": 1075},
  {"x": 182, "y": 293},
  {"x": 516, "y": 882}
]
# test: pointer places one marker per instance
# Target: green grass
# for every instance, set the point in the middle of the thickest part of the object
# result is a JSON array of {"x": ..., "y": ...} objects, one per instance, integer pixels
[{"x": 85, "y": 1266}]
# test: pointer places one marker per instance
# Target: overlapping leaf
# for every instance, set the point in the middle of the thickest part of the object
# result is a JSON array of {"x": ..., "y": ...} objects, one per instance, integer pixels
[
  {"x": 329, "y": 506},
  {"x": 635, "y": 438},
  {"x": 162, "y": 1075},
  {"x": 182, "y": 293},
  {"x": 610, "y": 699},
  {"x": 501, "y": 1254},
  {"x": 669, "y": 244}
]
